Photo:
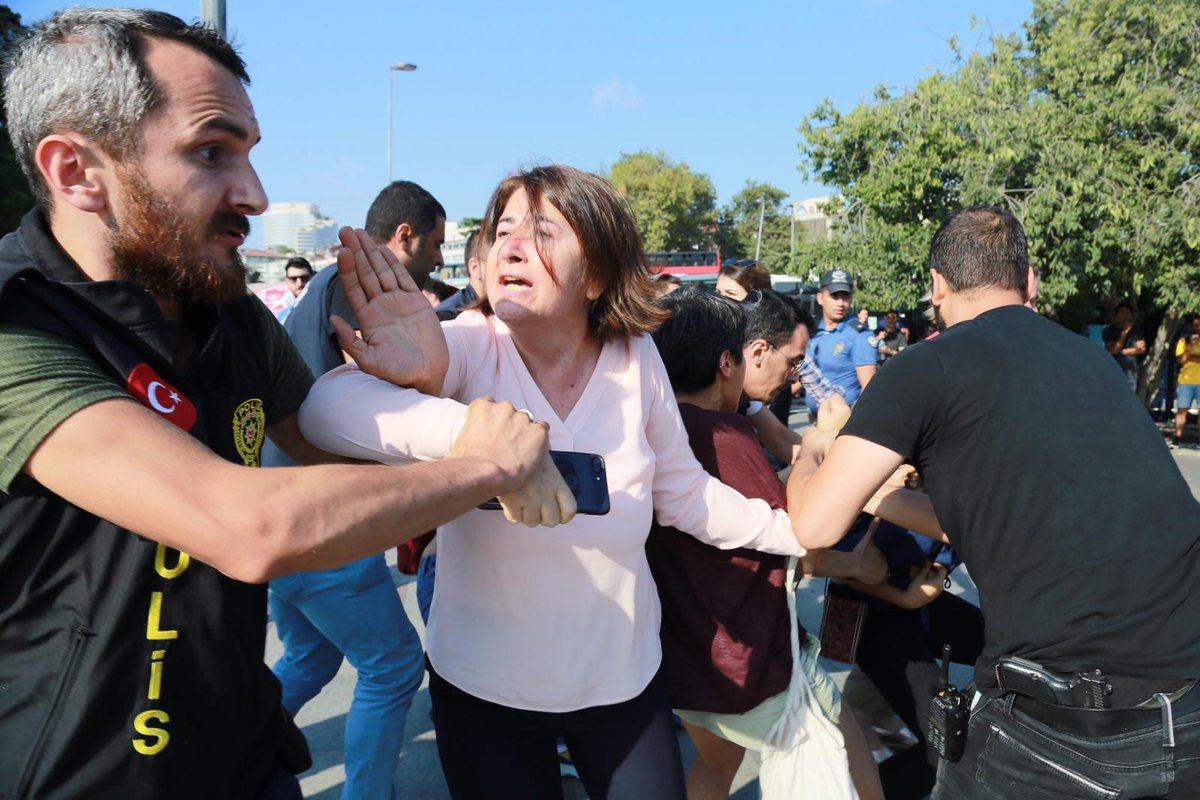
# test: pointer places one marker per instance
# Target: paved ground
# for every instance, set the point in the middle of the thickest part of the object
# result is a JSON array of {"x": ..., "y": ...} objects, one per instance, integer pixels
[{"x": 418, "y": 774}]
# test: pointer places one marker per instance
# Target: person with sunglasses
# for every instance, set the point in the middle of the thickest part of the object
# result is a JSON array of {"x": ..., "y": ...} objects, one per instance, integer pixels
[{"x": 297, "y": 273}]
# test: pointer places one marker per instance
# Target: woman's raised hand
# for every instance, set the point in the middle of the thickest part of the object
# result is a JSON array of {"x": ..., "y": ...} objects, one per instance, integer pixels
[{"x": 402, "y": 340}]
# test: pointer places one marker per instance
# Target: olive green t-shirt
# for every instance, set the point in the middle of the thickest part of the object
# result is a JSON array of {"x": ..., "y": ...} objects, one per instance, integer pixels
[{"x": 45, "y": 379}]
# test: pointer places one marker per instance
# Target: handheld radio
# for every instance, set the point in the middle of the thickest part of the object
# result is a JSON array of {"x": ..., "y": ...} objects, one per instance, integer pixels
[{"x": 949, "y": 713}]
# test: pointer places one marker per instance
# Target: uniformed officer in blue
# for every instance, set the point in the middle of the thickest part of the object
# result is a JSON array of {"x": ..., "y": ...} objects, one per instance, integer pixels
[{"x": 843, "y": 351}]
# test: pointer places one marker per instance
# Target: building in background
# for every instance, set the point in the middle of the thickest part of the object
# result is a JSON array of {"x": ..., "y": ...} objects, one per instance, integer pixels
[
  {"x": 454, "y": 250},
  {"x": 298, "y": 228},
  {"x": 265, "y": 265},
  {"x": 810, "y": 222}
]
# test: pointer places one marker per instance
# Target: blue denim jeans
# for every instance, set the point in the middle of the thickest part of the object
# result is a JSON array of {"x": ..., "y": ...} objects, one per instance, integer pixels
[
  {"x": 352, "y": 611},
  {"x": 1012, "y": 756}
]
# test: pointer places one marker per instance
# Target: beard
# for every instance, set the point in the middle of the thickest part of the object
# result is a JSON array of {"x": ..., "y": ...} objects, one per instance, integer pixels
[{"x": 155, "y": 247}]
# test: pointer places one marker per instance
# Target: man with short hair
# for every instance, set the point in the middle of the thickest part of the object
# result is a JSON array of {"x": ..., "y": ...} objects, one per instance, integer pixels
[
  {"x": 408, "y": 221},
  {"x": 1087, "y": 579},
  {"x": 474, "y": 291},
  {"x": 1126, "y": 343},
  {"x": 841, "y": 349},
  {"x": 137, "y": 381},
  {"x": 297, "y": 273},
  {"x": 777, "y": 340},
  {"x": 353, "y": 611}
]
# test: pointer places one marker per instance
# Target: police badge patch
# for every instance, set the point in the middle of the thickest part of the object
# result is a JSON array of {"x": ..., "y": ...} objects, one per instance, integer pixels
[
  {"x": 839, "y": 348},
  {"x": 249, "y": 427}
]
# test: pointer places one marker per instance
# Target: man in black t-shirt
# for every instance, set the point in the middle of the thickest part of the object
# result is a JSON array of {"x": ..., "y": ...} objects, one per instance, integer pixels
[
  {"x": 1012, "y": 422},
  {"x": 1125, "y": 342}
]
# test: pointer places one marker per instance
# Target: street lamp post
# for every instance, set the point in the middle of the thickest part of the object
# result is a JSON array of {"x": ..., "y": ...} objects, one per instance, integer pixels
[
  {"x": 213, "y": 14},
  {"x": 400, "y": 67},
  {"x": 792, "y": 251},
  {"x": 762, "y": 210}
]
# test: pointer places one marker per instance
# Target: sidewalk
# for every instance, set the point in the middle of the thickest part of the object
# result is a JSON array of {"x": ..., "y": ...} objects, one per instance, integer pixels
[{"x": 418, "y": 774}]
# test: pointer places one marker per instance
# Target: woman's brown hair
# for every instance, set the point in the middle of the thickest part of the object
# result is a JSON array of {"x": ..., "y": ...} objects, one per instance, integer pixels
[
  {"x": 608, "y": 239},
  {"x": 750, "y": 275}
]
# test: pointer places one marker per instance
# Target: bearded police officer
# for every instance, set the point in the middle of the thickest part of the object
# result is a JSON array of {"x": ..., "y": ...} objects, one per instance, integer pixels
[{"x": 137, "y": 381}]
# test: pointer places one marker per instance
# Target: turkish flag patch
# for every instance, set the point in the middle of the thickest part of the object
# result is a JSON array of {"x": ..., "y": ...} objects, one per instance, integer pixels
[{"x": 161, "y": 397}]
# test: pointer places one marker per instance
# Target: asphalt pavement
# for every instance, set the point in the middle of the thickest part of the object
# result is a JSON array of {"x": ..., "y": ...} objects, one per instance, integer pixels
[{"x": 418, "y": 773}]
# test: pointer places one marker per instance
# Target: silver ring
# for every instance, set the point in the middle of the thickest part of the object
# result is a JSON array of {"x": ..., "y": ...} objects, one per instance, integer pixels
[{"x": 527, "y": 413}]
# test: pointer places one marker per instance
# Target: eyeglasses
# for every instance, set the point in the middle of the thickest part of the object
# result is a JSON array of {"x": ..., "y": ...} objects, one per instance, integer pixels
[
  {"x": 794, "y": 364},
  {"x": 301, "y": 278}
]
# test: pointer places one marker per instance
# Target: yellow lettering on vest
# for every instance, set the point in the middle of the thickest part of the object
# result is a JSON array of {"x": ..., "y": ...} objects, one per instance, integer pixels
[
  {"x": 160, "y": 563},
  {"x": 156, "y": 672},
  {"x": 160, "y": 736},
  {"x": 152, "y": 631}
]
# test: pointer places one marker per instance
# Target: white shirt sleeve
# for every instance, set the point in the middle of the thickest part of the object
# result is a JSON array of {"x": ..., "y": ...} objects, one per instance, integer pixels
[
  {"x": 688, "y": 498},
  {"x": 353, "y": 414}
]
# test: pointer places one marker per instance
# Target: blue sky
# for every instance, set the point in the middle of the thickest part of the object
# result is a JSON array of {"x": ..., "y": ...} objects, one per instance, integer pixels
[{"x": 721, "y": 86}]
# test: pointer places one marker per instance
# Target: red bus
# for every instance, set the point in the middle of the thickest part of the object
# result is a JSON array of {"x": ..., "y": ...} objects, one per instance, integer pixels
[{"x": 685, "y": 262}]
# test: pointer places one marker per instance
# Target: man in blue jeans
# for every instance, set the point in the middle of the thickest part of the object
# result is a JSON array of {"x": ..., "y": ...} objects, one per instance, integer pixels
[
  {"x": 354, "y": 610},
  {"x": 1082, "y": 574}
]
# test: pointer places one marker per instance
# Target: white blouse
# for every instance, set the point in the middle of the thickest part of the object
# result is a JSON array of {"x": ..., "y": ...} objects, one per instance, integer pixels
[{"x": 549, "y": 619}]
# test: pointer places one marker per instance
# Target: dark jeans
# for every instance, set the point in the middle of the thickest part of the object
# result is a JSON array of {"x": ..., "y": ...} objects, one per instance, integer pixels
[
  {"x": 897, "y": 653},
  {"x": 281, "y": 785},
  {"x": 493, "y": 752},
  {"x": 1012, "y": 756}
]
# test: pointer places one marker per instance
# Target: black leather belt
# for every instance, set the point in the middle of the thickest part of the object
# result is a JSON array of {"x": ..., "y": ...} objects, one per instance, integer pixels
[{"x": 1096, "y": 723}]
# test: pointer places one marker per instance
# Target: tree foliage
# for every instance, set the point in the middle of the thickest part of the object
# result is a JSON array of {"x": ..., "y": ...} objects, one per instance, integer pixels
[
  {"x": 15, "y": 196},
  {"x": 1087, "y": 127},
  {"x": 737, "y": 226},
  {"x": 675, "y": 207}
]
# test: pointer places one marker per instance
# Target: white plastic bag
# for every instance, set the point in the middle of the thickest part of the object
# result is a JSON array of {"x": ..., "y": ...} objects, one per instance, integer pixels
[{"x": 804, "y": 755}]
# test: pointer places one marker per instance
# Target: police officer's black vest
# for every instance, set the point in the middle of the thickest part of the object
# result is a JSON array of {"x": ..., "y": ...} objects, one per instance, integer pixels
[{"x": 128, "y": 669}]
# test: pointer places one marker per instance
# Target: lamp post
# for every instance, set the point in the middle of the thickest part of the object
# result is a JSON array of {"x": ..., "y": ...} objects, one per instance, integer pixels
[
  {"x": 400, "y": 67},
  {"x": 762, "y": 210},
  {"x": 792, "y": 251},
  {"x": 213, "y": 14}
]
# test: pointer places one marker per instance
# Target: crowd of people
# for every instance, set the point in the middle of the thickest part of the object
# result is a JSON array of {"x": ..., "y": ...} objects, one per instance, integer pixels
[{"x": 142, "y": 387}]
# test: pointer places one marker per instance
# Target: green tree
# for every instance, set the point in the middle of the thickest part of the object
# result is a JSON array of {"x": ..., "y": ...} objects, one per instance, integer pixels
[
  {"x": 15, "y": 196},
  {"x": 468, "y": 225},
  {"x": 1087, "y": 127},
  {"x": 737, "y": 226},
  {"x": 675, "y": 208}
]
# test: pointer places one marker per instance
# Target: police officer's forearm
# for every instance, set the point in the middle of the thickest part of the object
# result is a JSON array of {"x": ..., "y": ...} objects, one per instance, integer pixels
[
  {"x": 326, "y": 516},
  {"x": 123, "y": 463}
]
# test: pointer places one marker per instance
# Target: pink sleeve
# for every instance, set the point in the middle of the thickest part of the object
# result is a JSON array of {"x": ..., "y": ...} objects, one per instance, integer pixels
[
  {"x": 469, "y": 341},
  {"x": 688, "y": 498},
  {"x": 353, "y": 414}
]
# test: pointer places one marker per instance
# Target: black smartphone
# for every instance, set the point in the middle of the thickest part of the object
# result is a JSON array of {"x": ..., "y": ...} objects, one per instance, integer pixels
[{"x": 584, "y": 475}]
